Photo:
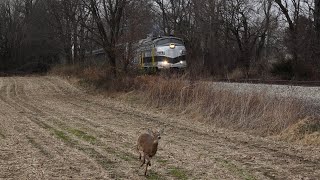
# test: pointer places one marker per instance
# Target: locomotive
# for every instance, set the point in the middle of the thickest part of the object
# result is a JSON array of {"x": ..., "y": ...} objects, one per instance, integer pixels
[
  {"x": 166, "y": 52},
  {"x": 160, "y": 53}
]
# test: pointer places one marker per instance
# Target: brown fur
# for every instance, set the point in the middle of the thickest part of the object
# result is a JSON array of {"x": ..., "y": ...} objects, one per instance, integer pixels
[{"x": 148, "y": 146}]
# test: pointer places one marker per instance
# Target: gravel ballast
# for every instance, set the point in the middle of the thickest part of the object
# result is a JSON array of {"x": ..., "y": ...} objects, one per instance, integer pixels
[{"x": 309, "y": 95}]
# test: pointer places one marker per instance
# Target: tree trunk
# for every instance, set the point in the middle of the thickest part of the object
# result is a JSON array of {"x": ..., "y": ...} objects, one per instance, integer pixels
[
  {"x": 317, "y": 19},
  {"x": 75, "y": 42},
  {"x": 82, "y": 45},
  {"x": 293, "y": 35},
  {"x": 113, "y": 65},
  {"x": 68, "y": 43}
]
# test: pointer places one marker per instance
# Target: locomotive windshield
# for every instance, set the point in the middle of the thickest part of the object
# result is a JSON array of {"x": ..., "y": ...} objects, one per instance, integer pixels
[{"x": 168, "y": 41}]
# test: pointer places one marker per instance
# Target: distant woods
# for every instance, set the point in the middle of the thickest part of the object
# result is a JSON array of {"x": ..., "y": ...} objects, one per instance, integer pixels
[{"x": 223, "y": 37}]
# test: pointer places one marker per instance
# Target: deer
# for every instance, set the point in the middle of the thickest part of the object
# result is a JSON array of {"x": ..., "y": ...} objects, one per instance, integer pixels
[{"x": 147, "y": 147}]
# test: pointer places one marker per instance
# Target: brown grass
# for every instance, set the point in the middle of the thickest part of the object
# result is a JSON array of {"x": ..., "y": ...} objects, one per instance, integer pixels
[
  {"x": 255, "y": 113},
  {"x": 306, "y": 131},
  {"x": 80, "y": 71},
  {"x": 96, "y": 78}
]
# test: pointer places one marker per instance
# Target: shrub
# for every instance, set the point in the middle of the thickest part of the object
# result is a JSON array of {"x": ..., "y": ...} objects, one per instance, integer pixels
[{"x": 283, "y": 69}]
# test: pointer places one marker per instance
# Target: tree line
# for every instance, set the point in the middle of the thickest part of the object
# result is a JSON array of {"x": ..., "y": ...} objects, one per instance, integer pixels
[{"x": 222, "y": 36}]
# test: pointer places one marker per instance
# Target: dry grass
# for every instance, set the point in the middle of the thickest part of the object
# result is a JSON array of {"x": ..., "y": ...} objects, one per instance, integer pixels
[
  {"x": 255, "y": 113},
  {"x": 306, "y": 131},
  {"x": 94, "y": 77},
  {"x": 80, "y": 71},
  {"x": 236, "y": 74}
]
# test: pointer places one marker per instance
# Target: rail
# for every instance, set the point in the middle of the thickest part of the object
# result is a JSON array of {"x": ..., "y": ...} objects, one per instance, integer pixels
[{"x": 273, "y": 82}]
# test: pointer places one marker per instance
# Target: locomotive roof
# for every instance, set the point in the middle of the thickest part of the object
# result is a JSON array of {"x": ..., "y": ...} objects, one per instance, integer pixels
[
  {"x": 156, "y": 39},
  {"x": 166, "y": 37}
]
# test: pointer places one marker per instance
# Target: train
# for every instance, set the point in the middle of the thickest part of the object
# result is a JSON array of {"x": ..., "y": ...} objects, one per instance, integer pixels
[
  {"x": 162, "y": 52},
  {"x": 165, "y": 52}
]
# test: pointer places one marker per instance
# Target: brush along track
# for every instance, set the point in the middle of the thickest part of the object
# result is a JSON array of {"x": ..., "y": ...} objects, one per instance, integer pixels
[{"x": 52, "y": 130}]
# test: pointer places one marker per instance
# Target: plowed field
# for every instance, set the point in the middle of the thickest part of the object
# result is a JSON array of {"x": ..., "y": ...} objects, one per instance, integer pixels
[{"x": 50, "y": 129}]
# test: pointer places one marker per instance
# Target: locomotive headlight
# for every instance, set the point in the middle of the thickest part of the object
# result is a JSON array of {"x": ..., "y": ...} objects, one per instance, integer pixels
[
  {"x": 172, "y": 46},
  {"x": 165, "y": 62}
]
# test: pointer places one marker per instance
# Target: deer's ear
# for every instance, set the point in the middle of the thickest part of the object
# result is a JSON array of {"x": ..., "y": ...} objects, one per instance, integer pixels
[{"x": 150, "y": 132}]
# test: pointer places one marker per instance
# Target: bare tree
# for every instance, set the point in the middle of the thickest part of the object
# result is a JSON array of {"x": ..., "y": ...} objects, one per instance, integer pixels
[
  {"x": 108, "y": 16},
  {"x": 290, "y": 20},
  {"x": 174, "y": 15},
  {"x": 221, "y": 35},
  {"x": 25, "y": 34},
  {"x": 66, "y": 16}
]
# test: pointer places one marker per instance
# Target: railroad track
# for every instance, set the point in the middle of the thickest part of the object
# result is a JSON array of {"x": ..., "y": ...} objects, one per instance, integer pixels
[{"x": 275, "y": 82}]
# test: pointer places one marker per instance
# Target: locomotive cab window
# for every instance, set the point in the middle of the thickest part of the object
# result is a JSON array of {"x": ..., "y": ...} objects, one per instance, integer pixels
[{"x": 169, "y": 41}]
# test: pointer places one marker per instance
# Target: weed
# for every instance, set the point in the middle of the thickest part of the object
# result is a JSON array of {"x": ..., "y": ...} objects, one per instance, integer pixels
[
  {"x": 154, "y": 176},
  {"x": 83, "y": 135},
  {"x": 162, "y": 161},
  {"x": 91, "y": 152},
  {"x": 178, "y": 173},
  {"x": 126, "y": 156},
  {"x": 235, "y": 169},
  {"x": 63, "y": 136}
]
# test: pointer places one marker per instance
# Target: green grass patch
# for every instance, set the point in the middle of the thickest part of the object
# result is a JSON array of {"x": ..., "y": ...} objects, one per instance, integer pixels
[
  {"x": 162, "y": 161},
  {"x": 125, "y": 156},
  {"x": 63, "y": 136},
  {"x": 151, "y": 175},
  {"x": 178, "y": 173},
  {"x": 235, "y": 169},
  {"x": 83, "y": 135},
  {"x": 91, "y": 152}
]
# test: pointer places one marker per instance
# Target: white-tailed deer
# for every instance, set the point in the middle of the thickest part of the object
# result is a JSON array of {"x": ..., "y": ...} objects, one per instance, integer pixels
[{"x": 148, "y": 146}]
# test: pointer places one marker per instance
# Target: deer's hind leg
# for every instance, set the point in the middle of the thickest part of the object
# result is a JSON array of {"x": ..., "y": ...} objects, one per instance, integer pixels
[
  {"x": 143, "y": 160},
  {"x": 148, "y": 164}
]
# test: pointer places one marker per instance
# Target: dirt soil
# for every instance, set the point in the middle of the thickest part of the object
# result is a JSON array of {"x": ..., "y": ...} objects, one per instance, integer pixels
[{"x": 49, "y": 129}]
